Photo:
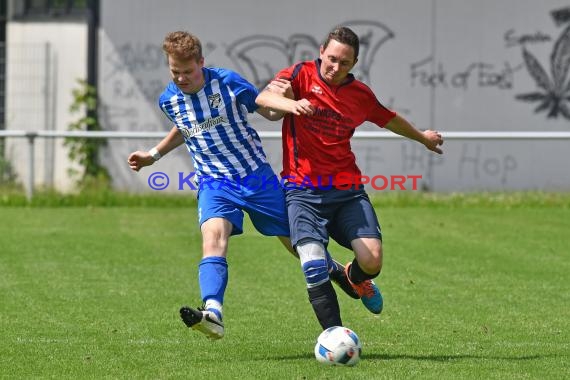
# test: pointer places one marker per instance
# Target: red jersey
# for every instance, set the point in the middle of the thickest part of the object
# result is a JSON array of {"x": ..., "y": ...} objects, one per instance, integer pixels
[{"x": 317, "y": 147}]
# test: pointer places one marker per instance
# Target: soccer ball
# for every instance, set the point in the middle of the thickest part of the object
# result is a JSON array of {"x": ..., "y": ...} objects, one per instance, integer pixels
[{"x": 338, "y": 346}]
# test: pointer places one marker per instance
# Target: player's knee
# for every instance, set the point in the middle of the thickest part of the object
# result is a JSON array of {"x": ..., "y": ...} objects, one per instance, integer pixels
[
  {"x": 214, "y": 248},
  {"x": 215, "y": 235},
  {"x": 313, "y": 262},
  {"x": 370, "y": 267},
  {"x": 214, "y": 244},
  {"x": 371, "y": 262}
]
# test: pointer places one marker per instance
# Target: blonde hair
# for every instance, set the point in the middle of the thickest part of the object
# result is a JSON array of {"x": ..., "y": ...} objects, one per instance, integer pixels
[{"x": 182, "y": 45}]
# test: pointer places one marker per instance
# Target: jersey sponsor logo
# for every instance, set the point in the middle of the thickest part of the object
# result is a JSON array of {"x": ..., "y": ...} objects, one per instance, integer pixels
[
  {"x": 317, "y": 90},
  {"x": 327, "y": 113},
  {"x": 202, "y": 127},
  {"x": 215, "y": 100}
]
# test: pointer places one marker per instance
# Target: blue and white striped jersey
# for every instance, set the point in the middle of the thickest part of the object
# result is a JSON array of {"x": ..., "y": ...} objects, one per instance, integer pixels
[{"x": 214, "y": 124}]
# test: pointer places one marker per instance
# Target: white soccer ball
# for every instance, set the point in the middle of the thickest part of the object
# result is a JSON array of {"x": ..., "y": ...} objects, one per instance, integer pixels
[{"x": 338, "y": 346}]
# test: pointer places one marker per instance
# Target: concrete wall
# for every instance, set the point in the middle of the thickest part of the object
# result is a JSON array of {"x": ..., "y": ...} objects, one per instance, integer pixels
[
  {"x": 44, "y": 60},
  {"x": 452, "y": 65}
]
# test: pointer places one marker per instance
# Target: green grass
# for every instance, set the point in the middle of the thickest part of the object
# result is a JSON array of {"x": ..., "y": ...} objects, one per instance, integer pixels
[{"x": 474, "y": 289}]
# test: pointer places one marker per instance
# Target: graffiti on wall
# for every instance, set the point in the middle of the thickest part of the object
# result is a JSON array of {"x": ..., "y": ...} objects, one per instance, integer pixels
[
  {"x": 553, "y": 90},
  {"x": 128, "y": 85},
  {"x": 135, "y": 75},
  {"x": 476, "y": 74},
  {"x": 260, "y": 57},
  {"x": 553, "y": 82},
  {"x": 131, "y": 69}
]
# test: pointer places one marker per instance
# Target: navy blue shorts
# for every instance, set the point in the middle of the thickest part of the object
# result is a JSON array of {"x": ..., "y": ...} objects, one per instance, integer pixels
[
  {"x": 264, "y": 203},
  {"x": 344, "y": 215}
]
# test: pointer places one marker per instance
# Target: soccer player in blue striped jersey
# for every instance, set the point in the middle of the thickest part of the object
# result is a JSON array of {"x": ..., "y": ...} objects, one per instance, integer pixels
[{"x": 209, "y": 109}]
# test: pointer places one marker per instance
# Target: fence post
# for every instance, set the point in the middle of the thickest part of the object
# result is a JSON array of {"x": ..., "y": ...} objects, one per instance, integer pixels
[{"x": 31, "y": 164}]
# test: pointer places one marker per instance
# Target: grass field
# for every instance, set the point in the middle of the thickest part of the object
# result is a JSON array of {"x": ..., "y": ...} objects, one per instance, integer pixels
[{"x": 472, "y": 291}]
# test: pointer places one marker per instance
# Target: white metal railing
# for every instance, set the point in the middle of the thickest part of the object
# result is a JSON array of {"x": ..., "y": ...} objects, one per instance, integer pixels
[
  {"x": 485, "y": 135},
  {"x": 32, "y": 135}
]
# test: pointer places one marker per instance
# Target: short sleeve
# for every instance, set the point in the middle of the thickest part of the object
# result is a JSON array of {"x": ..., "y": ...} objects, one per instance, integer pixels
[
  {"x": 245, "y": 91},
  {"x": 379, "y": 114}
]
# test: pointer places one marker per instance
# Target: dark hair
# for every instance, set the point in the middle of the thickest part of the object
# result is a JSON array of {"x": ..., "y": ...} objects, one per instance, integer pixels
[
  {"x": 346, "y": 36},
  {"x": 182, "y": 45}
]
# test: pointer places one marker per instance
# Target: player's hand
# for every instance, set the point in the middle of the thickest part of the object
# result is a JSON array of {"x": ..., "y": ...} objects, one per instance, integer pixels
[
  {"x": 282, "y": 87},
  {"x": 137, "y": 160},
  {"x": 433, "y": 140},
  {"x": 302, "y": 107}
]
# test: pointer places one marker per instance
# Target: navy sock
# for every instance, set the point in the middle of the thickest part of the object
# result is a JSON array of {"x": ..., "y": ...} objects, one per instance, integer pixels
[
  {"x": 357, "y": 275},
  {"x": 325, "y": 304}
]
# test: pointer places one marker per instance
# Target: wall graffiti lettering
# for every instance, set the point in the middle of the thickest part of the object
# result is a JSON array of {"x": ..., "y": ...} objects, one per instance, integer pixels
[
  {"x": 473, "y": 163},
  {"x": 512, "y": 39},
  {"x": 477, "y": 74}
]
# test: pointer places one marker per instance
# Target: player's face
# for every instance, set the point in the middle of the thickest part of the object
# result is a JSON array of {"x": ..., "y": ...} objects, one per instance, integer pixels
[
  {"x": 187, "y": 73},
  {"x": 336, "y": 62}
]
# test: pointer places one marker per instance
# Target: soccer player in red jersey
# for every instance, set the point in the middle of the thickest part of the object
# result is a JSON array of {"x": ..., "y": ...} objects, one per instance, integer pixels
[{"x": 325, "y": 104}]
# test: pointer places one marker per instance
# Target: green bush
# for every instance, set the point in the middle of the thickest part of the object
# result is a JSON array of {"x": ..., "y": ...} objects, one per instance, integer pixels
[{"x": 85, "y": 151}]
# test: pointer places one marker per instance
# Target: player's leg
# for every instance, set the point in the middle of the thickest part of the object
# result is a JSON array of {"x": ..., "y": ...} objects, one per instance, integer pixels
[
  {"x": 356, "y": 227},
  {"x": 309, "y": 237},
  {"x": 213, "y": 268},
  {"x": 219, "y": 219},
  {"x": 363, "y": 269},
  {"x": 265, "y": 204},
  {"x": 368, "y": 252},
  {"x": 319, "y": 287},
  {"x": 336, "y": 270},
  {"x": 213, "y": 279}
]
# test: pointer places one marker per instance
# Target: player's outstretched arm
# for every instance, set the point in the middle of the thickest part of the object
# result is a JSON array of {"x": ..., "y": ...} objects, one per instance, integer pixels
[
  {"x": 139, "y": 159},
  {"x": 281, "y": 87},
  {"x": 431, "y": 139},
  {"x": 278, "y": 102}
]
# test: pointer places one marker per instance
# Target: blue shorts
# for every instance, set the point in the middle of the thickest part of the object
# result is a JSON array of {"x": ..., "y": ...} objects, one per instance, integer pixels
[
  {"x": 344, "y": 215},
  {"x": 259, "y": 194}
]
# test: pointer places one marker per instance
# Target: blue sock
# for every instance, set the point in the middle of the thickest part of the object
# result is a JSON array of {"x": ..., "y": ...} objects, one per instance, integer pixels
[{"x": 213, "y": 278}]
